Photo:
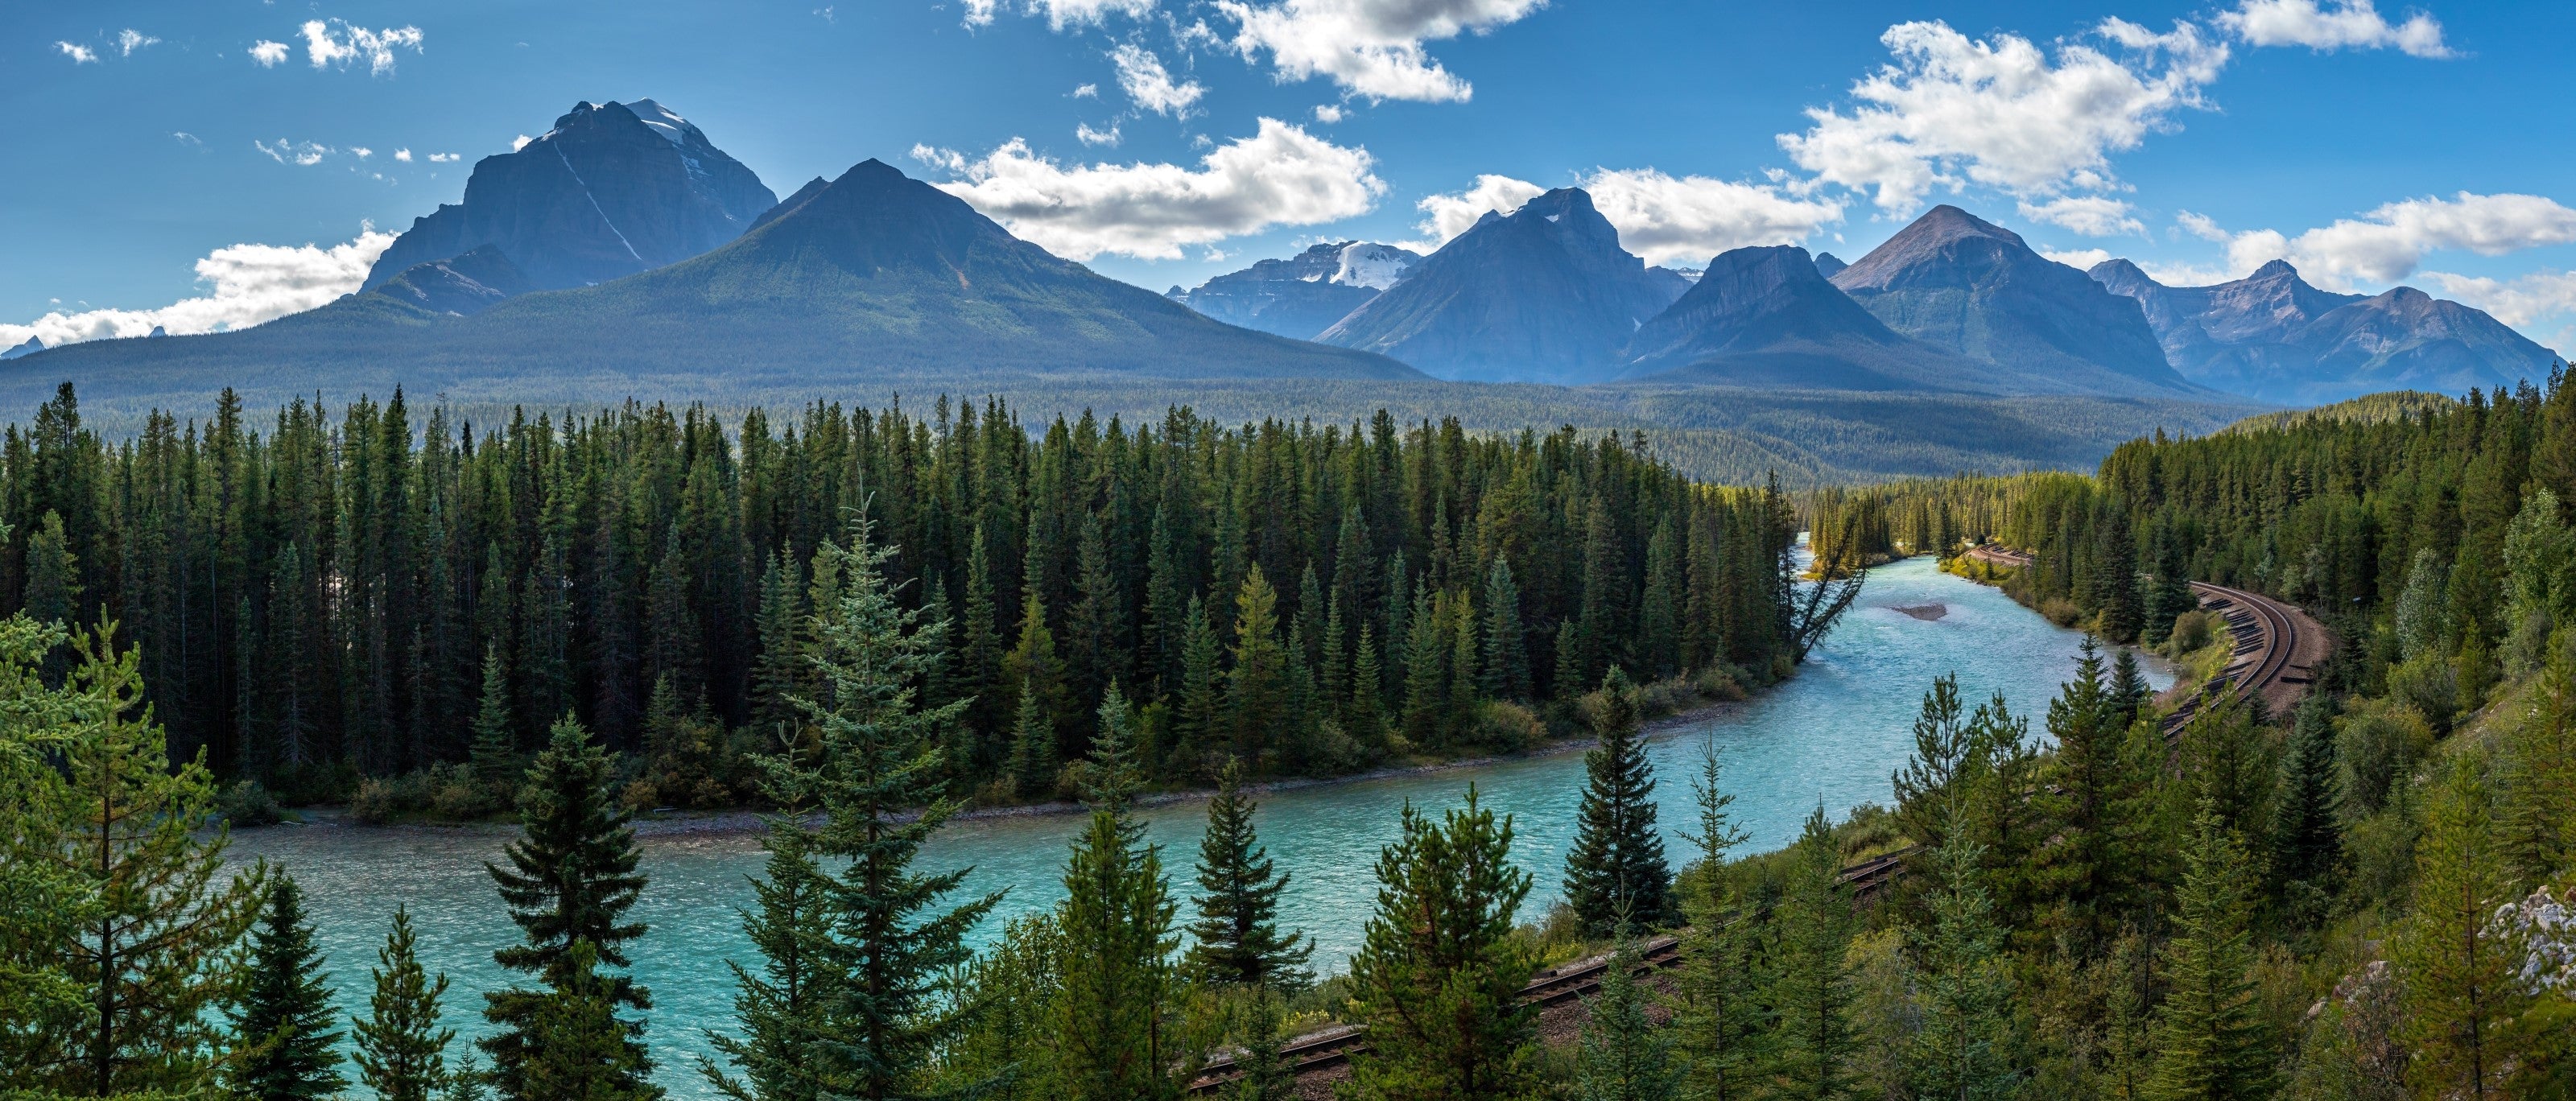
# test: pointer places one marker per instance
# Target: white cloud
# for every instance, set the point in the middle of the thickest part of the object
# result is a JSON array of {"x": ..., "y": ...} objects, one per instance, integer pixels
[
  {"x": 1447, "y": 216},
  {"x": 2200, "y": 225},
  {"x": 2519, "y": 301},
  {"x": 80, "y": 55},
  {"x": 403, "y": 155},
  {"x": 1660, "y": 217},
  {"x": 1279, "y": 176},
  {"x": 336, "y": 43},
  {"x": 1086, "y": 91},
  {"x": 520, "y": 142},
  {"x": 249, "y": 284},
  {"x": 2081, "y": 258},
  {"x": 1142, "y": 76},
  {"x": 1951, "y": 110},
  {"x": 362, "y": 152},
  {"x": 1371, "y": 48},
  {"x": 130, "y": 40},
  {"x": 1089, "y": 136},
  {"x": 2389, "y": 243},
  {"x": 979, "y": 13},
  {"x": 443, "y": 158},
  {"x": 1691, "y": 218},
  {"x": 2354, "y": 24},
  {"x": 2090, "y": 215},
  {"x": 186, "y": 138},
  {"x": 306, "y": 153},
  {"x": 267, "y": 54},
  {"x": 1329, "y": 113}
]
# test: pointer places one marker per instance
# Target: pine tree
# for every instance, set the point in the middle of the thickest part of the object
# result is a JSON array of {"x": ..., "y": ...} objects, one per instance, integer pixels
[
  {"x": 1198, "y": 714},
  {"x": 2307, "y": 819},
  {"x": 1113, "y": 1043},
  {"x": 2460, "y": 967},
  {"x": 1658, "y": 641},
  {"x": 1438, "y": 976},
  {"x": 1034, "y": 669},
  {"x": 1810, "y": 990},
  {"x": 1615, "y": 870},
  {"x": 402, "y": 1053},
  {"x": 1364, "y": 717},
  {"x": 571, "y": 878},
  {"x": 781, "y": 1008},
  {"x": 2129, "y": 690},
  {"x": 894, "y": 936},
  {"x": 495, "y": 754},
  {"x": 1931, "y": 780},
  {"x": 1623, "y": 1056},
  {"x": 1236, "y": 938},
  {"x": 53, "y": 573},
  {"x": 1426, "y": 679},
  {"x": 1506, "y": 673},
  {"x": 578, "y": 1048},
  {"x": 2088, "y": 864},
  {"x": 40, "y": 1001},
  {"x": 1963, "y": 1052},
  {"x": 2208, "y": 1028},
  {"x": 776, "y": 671},
  {"x": 1256, "y": 689},
  {"x": 158, "y": 918},
  {"x": 1265, "y": 1071},
  {"x": 1032, "y": 764},
  {"x": 1718, "y": 1016},
  {"x": 282, "y": 1017}
]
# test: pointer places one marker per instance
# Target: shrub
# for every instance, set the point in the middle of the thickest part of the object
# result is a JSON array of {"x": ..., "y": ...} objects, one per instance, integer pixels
[
  {"x": 2430, "y": 683},
  {"x": 1507, "y": 727},
  {"x": 2191, "y": 632},
  {"x": 1668, "y": 697},
  {"x": 1721, "y": 682},
  {"x": 2060, "y": 611},
  {"x": 248, "y": 803},
  {"x": 2378, "y": 742}
]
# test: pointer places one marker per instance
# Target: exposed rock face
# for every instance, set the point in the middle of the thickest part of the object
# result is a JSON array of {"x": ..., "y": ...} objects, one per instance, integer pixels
[
  {"x": 1304, "y": 294},
  {"x": 611, "y": 190},
  {"x": 1767, "y": 317},
  {"x": 463, "y": 286},
  {"x": 1544, "y": 294},
  {"x": 1959, "y": 282},
  {"x": 1829, "y": 265},
  {"x": 2273, "y": 336}
]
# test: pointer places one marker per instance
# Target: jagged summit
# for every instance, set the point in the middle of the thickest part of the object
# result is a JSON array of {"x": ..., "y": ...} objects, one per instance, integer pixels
[
  {"x": 1765, "y": 316},
  {"x": 1304, "y": 294}
]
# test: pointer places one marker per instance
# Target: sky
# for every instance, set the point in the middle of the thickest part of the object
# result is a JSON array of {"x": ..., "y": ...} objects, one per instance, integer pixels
[{"x": 214, "y": 163}]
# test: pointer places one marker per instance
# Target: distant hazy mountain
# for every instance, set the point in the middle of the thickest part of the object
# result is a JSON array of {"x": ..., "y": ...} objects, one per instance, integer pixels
[
  {"x": 27, "y": 347},
  {"x": 873, "y": 277},
  {"x": 1544, "y": 294},
  {"x": 1829, "y": 265},
  {"x": 2273, "y": 336},
  {"x": 1304, "y": 294},
  {"x": 1959, "y": 282},
  {"x": 463, "y": 285},
  {"x": 1766, "y": 317},
  {"x": 613, "y": 189}
]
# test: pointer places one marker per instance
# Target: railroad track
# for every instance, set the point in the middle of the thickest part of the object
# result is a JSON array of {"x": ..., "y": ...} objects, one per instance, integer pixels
[
  {"x": 1557, "y": 986},
  {"x": 2267, "y": 643}
]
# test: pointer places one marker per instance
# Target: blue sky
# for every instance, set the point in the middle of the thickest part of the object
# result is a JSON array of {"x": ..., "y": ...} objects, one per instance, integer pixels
[{"x": 198, "y": 164}]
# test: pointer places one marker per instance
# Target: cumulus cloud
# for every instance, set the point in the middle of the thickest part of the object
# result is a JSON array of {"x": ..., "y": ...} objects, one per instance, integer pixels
[
  {"x": 1142, "y": 76},
  {"x": 443, "y": 158},
  {"x": 305, "y": 153},
  {"x": 520, "y": 142},
  {"x": 1280, "y": 176},
  {"x": 80, "y": 55},
  {"x": 1329, "y": 113},
  {"x": 2519, "y": 301},
  {"x": 403, "y": 155},
  {"x": 247, "y": 284},
  {"x": 1372, "y": 48},
  {"x": 130, "y": 40},
  {"x": 1950, "y": 110},
  {"x": 2090, "y": 215},
  {"x": 2391, "y": 242},
  {"x": 1089, "y": 136},
  {"x": 1660, "y": 217},
  {"x": 336, "y": 44},
  {"x": 2347, "y": 24},
  {"x": 1086, "y": 91},
  {"x": 1059, "y": 13},
  {"x": 2083, "y": 258},
  {"x": 362, "y": 152},
  {"x": 267, "y": 54}
]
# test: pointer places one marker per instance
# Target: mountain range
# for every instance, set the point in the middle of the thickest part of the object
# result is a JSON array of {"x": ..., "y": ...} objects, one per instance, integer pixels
[{"x": 1304, "y": 294}]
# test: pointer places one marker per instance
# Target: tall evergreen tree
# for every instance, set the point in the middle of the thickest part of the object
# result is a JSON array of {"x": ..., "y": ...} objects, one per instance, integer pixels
[
  {"x": 1623, "y": 1056},
  {"x": 893, "y": 935},
  {"x": 1032, "y": 763},
  {"x": 1964, "y": 1050},
  {"x": 2091, "y": 857},
  {"x": 1236, "y": 938},
  {"x": 2307, "y": 819},
  {"x": 402, "y": 1052},
  {"x": 282, "y": 1018},
  {"x": 2128, "y": 690},
  {"x": 1506, "y": 672},
  {"x": 1113, "y": 1040},
  {"x": 1364, "y": 717},
  {"x": 2460, "y": 968},
  {"x": 571, "y": 879},
  {"x": 1266, "y": 1073},
  {"x": 1198, "y": 712},
  {"x": 782, "y": 1008},
  {"x": 495, "y": 754},
  {"x": 2209, "y": 1028},
  {"x": 1719, "y": 1015},
  {"x": 1810, "y": 989},
  {"x": 578, "y": 1048},
  {"x": 1438, "y": 975},
  {"x": 1256, "y": 688},
  {"x": 1615, "y": 870}
]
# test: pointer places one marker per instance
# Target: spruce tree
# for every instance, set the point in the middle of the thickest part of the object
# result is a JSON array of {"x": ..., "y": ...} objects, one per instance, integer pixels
[
  {"x": 1364, "y": 716},
  {"x": 780, "y": 1009},
  {"x": 402, "y": 1053},
  {"x": 1623, "y": 1056},
  {"x": 571, "y": 879},
  {"x": 2307, "y": 819},
  {"x": 1718, "y": 1015},
  {"x": 1236, "y": 938},
  {"x": 1506, "y": 672},
  {"x": 1963, "y": 1052},
  {"x": 1426, "y": 680},
  {"x": 495, "y": 753},
  {"x": 1265, "y": 1071},
  {"x": 1032, "y": 763},
  {"x": 2128, "y": 691},
  {"x": 1113, "y": 1042},
  {"x": 282, "y": 1018},
  {"x": 1615, "y": 870},
  {"x": 1256, "y": 689},
  {"x": 2088, "y": 863},
  {"x": 775, "y": 672},
  {"x": 894, "y": 936},
  {"x": 2459, "y": 967},
  {"x": 1438, "y": 975},
  {"x": 1930, "y": 781},
  {"x": 40, "y": 1001},
  {"x": 578, "y": 1048},
  {"x": 2212, "y": 1038},
  {"x": 1810, "y": 990},
  {"x": 1198, "y": 713}
]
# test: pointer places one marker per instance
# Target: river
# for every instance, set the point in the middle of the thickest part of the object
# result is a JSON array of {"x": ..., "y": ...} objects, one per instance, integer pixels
[{"x": 1833, "y": 734}]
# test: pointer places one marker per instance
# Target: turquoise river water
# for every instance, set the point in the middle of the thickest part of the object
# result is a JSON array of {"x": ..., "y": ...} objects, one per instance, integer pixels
[{"x": 1833, "y": 733}]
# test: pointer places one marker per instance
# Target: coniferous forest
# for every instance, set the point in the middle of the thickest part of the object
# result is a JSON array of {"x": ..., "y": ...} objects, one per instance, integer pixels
[{"x": 321, "y": 602}]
